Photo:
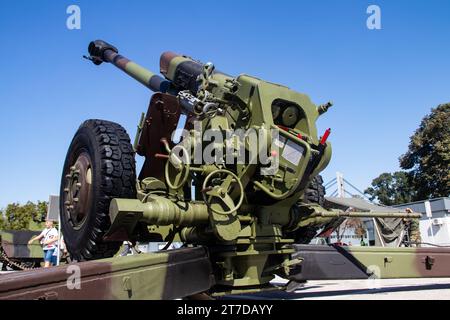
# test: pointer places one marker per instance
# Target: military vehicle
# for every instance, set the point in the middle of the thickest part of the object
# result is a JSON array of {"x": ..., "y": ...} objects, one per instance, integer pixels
[
  {"x": 239, "y": 187},
  {"x": 246, "y": 204},
  {"x": 16, "y": 253}
]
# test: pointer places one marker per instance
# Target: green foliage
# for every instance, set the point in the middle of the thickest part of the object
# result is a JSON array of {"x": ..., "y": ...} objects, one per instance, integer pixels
[
  {"x": 23, "y": 217},
  {"x": 391, "y": 188},
  {"x": 428, "y": 156},
  {"x": 426, "y": 162},
  {"x": 41, "y": 211},
  {"x": 2, "y": 221}
]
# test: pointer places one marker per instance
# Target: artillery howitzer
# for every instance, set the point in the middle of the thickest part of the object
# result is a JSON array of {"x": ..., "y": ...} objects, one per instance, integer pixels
[{"x": 238, "y": 183}]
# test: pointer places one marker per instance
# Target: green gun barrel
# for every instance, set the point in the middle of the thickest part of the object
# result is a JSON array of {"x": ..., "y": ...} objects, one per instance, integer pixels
[
  {"x": 183, "y": 71},
  {"x": 101, "y": 51}
]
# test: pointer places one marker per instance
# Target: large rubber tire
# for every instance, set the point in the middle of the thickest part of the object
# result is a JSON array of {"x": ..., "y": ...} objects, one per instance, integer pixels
[
  {"x": 314, "y": 193},
  {"x": 103, "y": 157}
]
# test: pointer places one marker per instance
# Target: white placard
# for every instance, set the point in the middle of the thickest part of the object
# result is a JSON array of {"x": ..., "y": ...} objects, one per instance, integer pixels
[{"x": 293, "y": 152}]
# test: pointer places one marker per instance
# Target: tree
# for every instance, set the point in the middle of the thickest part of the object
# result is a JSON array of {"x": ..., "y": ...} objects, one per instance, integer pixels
[
  {"x": 426, "y": 164},
  {"x": 20, "y": 217},
  {"x": 358, "y": 226},
  {"x": 2, "y": 221},
  {"x": 41, "y": 211},
  {"x": 355, "y": 224},
  {"x": 391, "y": 188},
  {"x": 428, "y": 155}
]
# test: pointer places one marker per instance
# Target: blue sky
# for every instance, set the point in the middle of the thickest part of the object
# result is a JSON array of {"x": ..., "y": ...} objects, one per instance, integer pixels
[{"x": 382, "y": 81}]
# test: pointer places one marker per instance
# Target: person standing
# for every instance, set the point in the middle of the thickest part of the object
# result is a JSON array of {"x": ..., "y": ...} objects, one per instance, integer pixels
[
  {"x": 413, "y": 229},
  {"x": 362, "y": 243},
  {"x": 48, "y": 238}
]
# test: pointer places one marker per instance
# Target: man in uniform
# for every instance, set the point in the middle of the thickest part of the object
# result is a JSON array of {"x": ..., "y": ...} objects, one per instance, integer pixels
[{"x": 413, "y": 230}]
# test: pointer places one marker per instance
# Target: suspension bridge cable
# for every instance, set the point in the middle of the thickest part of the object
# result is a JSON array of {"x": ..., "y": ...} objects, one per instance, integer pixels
[
  {"x": 330, "y": 182},
  {"x": 334, "y": 183}
]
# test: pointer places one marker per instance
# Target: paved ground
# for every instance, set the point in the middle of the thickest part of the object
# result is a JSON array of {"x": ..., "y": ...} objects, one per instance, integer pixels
[
  {"x": 5, "y": 272},
  {"x": 384, "y": 289}
]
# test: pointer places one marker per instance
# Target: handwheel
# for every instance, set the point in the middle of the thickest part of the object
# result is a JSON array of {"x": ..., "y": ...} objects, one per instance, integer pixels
[
  {"x": 179, "y": 166},
  {"x": 213, "y": 190}
]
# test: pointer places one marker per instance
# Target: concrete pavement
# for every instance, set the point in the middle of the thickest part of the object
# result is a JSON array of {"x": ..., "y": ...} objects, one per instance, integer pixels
[{"x": 380, "y": 289}]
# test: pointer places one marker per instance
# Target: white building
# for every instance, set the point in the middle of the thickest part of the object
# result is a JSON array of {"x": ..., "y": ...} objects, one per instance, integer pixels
[{"x": 435, "y": 228}]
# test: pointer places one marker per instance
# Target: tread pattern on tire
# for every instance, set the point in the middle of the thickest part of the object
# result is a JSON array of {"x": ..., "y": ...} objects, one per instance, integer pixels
[
  {"x": 314, "y": 193},
  {"x": 118, "y": 180}
]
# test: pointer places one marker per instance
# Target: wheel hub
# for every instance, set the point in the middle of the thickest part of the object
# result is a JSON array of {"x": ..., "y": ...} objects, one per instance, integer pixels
[{"x": 78, "y": 190}]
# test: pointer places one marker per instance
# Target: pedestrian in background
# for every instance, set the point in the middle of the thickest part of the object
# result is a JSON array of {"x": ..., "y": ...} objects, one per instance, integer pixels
[
  {"x": 48, "y": 238},
  {"x": 413, "y": 229}
]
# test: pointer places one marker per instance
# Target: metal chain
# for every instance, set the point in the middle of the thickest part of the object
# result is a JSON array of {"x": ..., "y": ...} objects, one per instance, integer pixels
[{"x": 9, "y": 263}]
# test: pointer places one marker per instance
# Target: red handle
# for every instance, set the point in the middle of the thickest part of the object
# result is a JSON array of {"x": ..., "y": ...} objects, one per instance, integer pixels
[{"x": 325, "y": 136}]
